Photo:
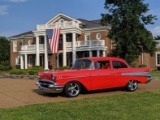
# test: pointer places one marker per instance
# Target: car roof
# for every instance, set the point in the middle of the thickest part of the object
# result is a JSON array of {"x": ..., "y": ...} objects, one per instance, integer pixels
[{"x": 102, "y": 58}]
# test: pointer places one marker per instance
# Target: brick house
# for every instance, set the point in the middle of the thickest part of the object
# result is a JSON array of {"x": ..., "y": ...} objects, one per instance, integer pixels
[{"x": 78, "y": 38}]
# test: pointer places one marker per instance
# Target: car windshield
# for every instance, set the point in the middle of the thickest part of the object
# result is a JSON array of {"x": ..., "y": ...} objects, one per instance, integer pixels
[{"x": 82, "y": 64}]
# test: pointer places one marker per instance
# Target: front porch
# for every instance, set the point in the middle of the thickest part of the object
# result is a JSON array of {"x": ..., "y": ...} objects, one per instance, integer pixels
[{"x": 57, "y": 60}]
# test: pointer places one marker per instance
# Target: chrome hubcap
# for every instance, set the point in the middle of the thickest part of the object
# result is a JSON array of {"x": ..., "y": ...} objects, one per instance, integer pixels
[
  {"x": 132, "y": 85},
  {"x": 73, "y": 89}
]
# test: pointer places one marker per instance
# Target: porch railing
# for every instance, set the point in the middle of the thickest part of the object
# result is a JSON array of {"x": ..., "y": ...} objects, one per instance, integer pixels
[
  {"x": 32, "y": 47},
  {"x": 65, "y": 24},
  {"x": 87, "y": 43}
]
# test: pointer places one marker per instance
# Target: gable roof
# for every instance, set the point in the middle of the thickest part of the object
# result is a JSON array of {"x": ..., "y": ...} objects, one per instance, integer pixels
[
  {"x": 22, "y": 35},
  {"x": 91, "y": 23}
]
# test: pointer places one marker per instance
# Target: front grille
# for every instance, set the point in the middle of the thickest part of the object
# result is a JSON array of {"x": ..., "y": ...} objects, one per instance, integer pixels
[{"x": 45, "y": 84}]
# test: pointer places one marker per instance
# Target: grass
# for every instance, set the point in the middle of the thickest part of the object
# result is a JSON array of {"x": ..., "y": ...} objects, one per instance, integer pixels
[
  {"x": 155, "y": 73},
  {"x": 132, "y": 106}
]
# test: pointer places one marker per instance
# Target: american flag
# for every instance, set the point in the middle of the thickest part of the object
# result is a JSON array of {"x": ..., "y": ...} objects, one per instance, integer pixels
[{"x": 53, "y": 37}]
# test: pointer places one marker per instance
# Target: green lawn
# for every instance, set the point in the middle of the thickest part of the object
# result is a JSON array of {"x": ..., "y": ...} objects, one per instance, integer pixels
[
  {"x": 128, "y": 106},
  {"x": 155, "y": 73}
]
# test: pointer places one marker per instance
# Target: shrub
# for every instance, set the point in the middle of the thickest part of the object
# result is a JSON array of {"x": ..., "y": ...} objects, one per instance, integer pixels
[
  {"x": 18, "y": 71},
  {"x": 142, "y": 65},
  {"x": 32, "y": 72},
  {"x": 38, "y": 68},
  {"x": 5, "y": 65},
  {"x": 62, "y": 68}
]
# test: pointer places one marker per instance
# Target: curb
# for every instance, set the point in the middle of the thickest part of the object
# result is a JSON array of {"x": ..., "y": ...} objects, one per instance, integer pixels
[{"x": 32, "y": 77}]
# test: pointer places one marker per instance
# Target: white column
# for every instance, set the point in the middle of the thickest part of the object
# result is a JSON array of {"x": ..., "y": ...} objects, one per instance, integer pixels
[
  {"x": 74, "y": 47},
  {"x": 142, "y": 58},
  {"x": 98, "y": 53},
  {"x": 64, "y": 50},
  {"x": 104, "y": 53},
  {"x": 22, "y": 62},
  {"x": 37, "y": 51},
  {"x": 26, "y": 62},
  {"x": 90, "y": 53},
  {"x": 45, "y": 53}
]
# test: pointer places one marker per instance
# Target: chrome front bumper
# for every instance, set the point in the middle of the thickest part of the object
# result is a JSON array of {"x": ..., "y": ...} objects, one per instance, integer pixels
[{"x": 49, "y": 87}]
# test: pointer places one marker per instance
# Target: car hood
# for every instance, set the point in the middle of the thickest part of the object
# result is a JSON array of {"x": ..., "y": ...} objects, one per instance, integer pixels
[{"x": 63, "y": 73}]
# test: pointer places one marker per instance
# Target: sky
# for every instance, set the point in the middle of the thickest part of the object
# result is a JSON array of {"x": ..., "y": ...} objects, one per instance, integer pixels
[{"x": 19, "y": 16}]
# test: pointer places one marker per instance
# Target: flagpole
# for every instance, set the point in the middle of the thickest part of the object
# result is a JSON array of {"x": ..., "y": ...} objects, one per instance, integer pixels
[{"x": 57, "y": 58}]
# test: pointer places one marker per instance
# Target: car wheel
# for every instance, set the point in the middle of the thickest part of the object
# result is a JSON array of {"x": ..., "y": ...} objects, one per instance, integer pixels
[
  {"x": 132, "y": 85},
  {"x": 72, "y": 89}
]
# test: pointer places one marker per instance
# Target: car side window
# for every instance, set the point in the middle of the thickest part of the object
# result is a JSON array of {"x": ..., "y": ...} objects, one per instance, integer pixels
[
  {"x": 102, "y": 64},
  {"x": 117, "y": 64}
]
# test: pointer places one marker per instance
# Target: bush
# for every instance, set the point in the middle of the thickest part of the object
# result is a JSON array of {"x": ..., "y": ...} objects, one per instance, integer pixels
[
  {"x": 5, "y": 65},
  {"x": 32, "y": 72},
  {"x": 62, "y": 68},
  {"x": 38, "y": 68},
  {"x": 142, "y": 65},
  {"x": 18, "y": 71}
]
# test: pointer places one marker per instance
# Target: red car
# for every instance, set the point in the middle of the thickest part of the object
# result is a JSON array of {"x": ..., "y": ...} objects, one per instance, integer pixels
[{"x": 93, "y": 73}]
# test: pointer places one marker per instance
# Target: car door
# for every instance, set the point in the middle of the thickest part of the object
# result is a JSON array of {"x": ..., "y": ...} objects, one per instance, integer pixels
[
  {"x": 101, "y": 78},
  {"x": 118, "y": 79}
]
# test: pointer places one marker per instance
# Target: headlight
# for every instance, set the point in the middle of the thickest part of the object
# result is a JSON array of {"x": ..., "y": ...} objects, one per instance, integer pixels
[
  {"x": 53, "y": 78},
  {"x": 38, "y": 76}
]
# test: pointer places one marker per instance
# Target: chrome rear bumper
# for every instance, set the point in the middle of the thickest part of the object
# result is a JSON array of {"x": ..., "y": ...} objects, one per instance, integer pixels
[{"x": 149, "y": 79}]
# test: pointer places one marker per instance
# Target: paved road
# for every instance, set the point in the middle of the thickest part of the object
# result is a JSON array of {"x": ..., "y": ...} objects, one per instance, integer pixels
[{"x": 21, "y": 92}]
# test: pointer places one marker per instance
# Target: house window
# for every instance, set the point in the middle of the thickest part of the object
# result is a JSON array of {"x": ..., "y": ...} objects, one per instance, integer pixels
[
  {"x": 158, "y": 59},
  {"x": 30, "y": 60},
  {"x": 18, "y": 61},
  {"x": 23, "y": 42},
  {"x": 30, "y": 42},
  {"x": 15, "y": 46},
  {"x": 41, "y": 40},
  {"x": 98, "y": 36},
  {"x": 49, "y": 57},
  {"x": 87, "y": 37}
]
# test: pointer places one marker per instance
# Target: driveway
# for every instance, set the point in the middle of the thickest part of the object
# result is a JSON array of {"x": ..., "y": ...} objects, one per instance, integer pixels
[{"x": 21, "y": 92}]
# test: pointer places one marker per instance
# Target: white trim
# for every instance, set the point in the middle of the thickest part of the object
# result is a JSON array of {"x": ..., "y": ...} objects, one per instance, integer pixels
[
  {"x": 14, "y": 46},
  {"x": 87, "y": 36},
  {"x": 157, "y": 59},
  {"x": 98, "y": 36},
  {"x": 18, "y": 61},
  {"x": 30, "y": 60}
]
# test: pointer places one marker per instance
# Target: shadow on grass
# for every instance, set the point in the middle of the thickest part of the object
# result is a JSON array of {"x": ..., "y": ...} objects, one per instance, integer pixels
[{"x": 83, "y": 92}]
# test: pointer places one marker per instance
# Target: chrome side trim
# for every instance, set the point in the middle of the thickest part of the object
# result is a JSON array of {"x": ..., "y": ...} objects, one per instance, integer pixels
[{"x": 136, "y": 73}]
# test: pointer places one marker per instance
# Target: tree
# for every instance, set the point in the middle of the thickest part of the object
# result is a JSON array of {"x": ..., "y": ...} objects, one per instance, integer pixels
[
  {"x": 157, "y": 37},
  {"x": 128, "y": 19},
  {"x": 4, "y": 54}
]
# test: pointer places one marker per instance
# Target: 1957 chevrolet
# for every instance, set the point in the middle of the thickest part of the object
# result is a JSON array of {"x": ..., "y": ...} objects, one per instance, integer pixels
[{"x": 93, "y": 73}]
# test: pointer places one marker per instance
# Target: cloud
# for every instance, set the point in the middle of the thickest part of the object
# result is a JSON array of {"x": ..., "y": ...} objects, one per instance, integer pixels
[
  {"x": 3, "y": 9},
  {"x": 156, "y": 31},
  {"x": 16, "y": 0}
]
